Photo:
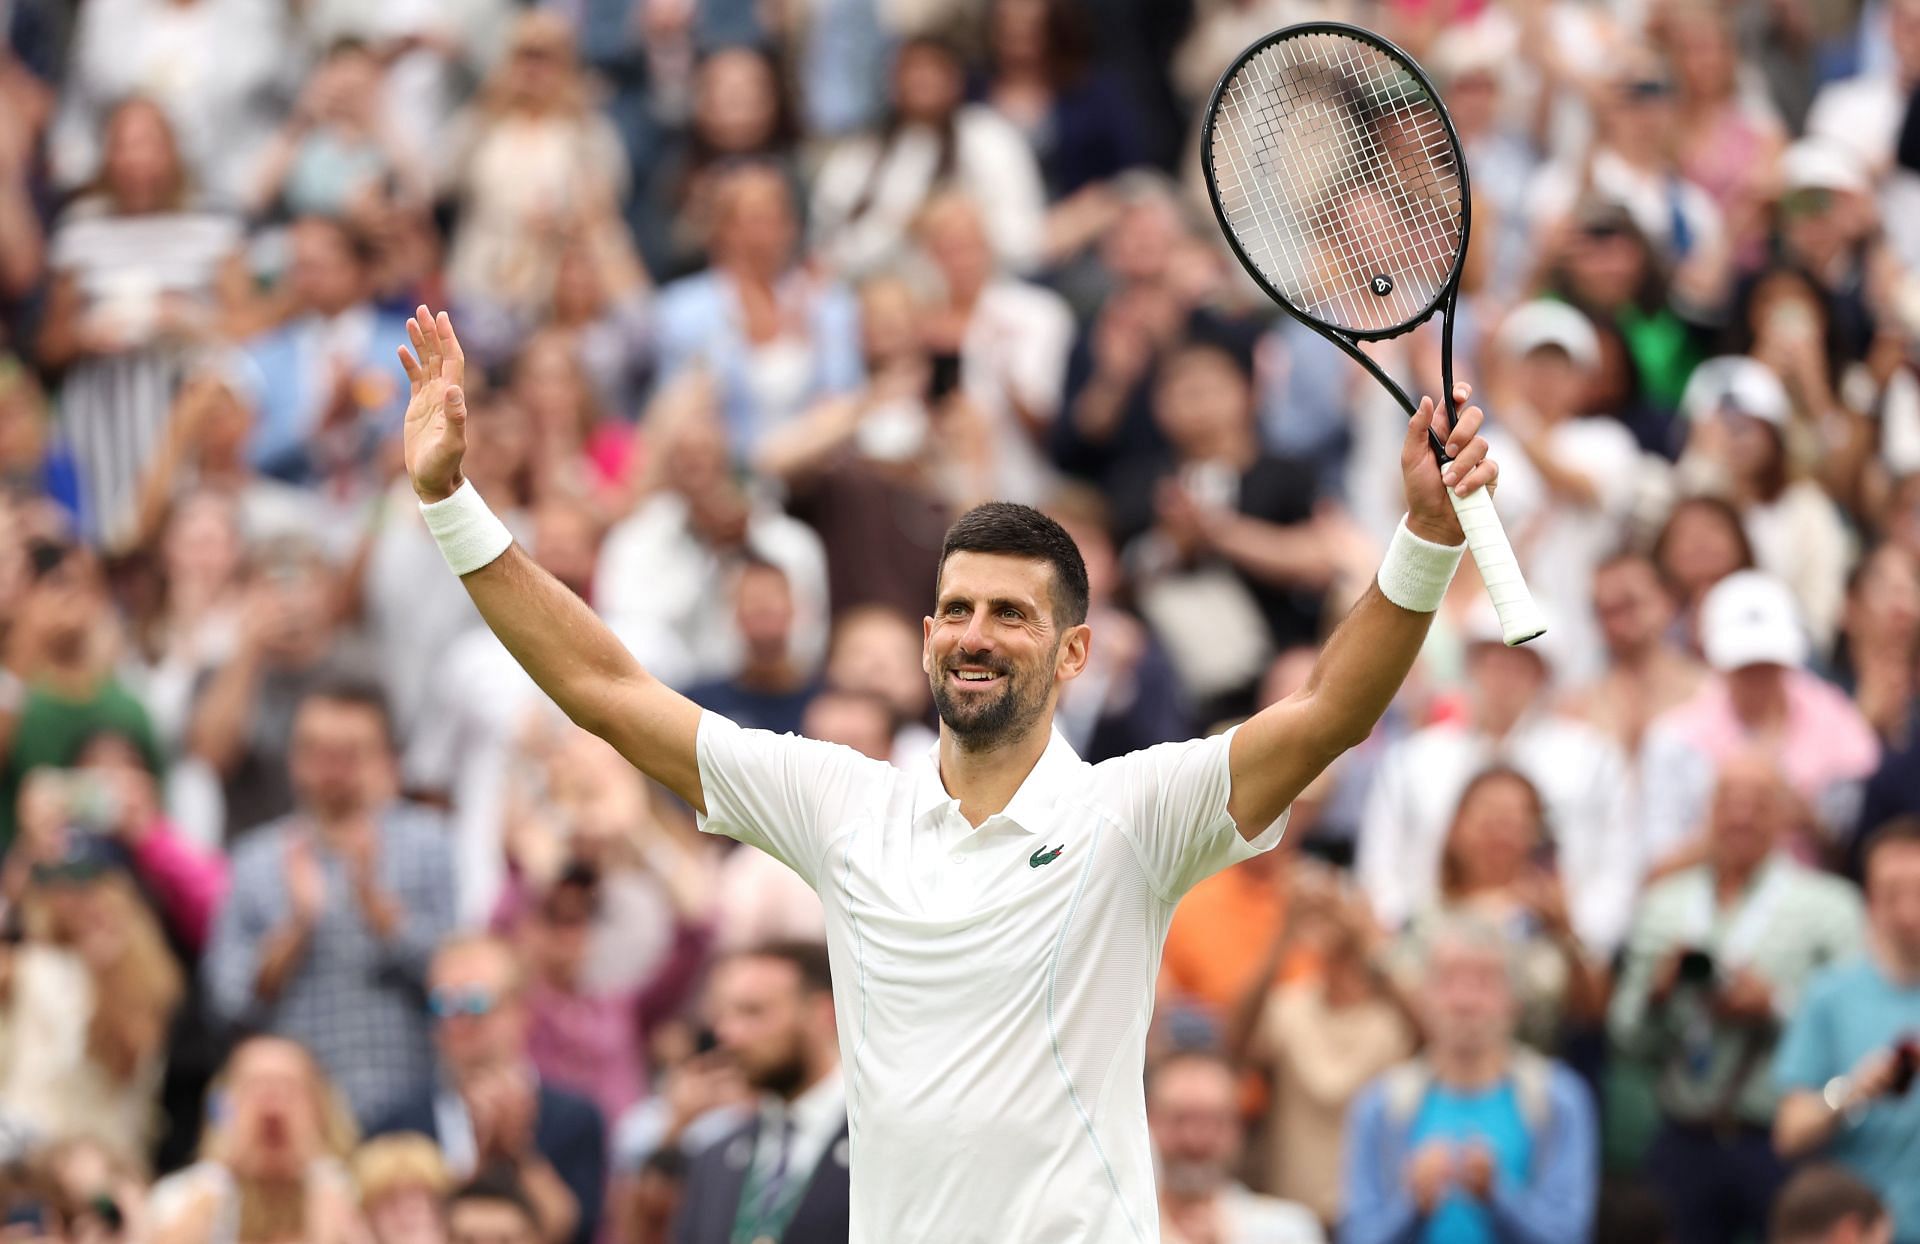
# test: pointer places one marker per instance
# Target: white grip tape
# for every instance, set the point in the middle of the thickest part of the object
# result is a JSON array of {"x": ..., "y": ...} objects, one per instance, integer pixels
[
  {"x": 468, "y": 533},
  {"x": 1415, "y": 572},
  {"x": 1520, "y": 617}
]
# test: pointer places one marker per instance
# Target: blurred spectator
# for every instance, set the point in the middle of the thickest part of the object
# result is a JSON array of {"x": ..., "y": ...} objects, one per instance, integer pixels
[
  {"x": 870, "y": 188},
  {"x": 1007, "y": 339},
  {"x": 531, "y": 162},
  {"x": 1863, "y": 113},
  {"x": 1846, "y": 1061},
  {"x": 770, "y": 335},
  {"x": 1825, "y": 226},
  {"x": 57, "y": 684},
  {"x": 402, "y": 1181},
  {"x": 336, "y": 155},
  {"x": 1646, "y": 673},
  {"x": 1128, "y": 697},
  {"x": 880, "y": 473},
  {"x": 1076, "y": 116},
  {"x": 28, "y": 102},
  {"x": 758, "y": 899},
  {"x": 91, "y": 992},
  {"x": 1566, "y": 482},
  {"x": 1195, "y": 1126},
  {"x": 876, "y": 651},
  {"x": 1728, "y": 134},
  {"x": 1825, "y": 1205},
  {"x": 335, "y": 908},
  {"x": 494, "y": 1209},
  {"x": 194, "y": 625},
  {"x": 740, "y": 112},
  {"x": 490, "y": 1113},
  {"x": 579, "y": 452},
  {"x": 663, "y": 566},
  {"x": 1762, "y": 699},
  {"x": 603, "y": 308},
  {"x": 589, "y": 1040},
  {"x": 1718, "y": 954},
  {"x": 783, "y": 1174},
  {"x": 140, "y": 275},
  {"x": 1880, "y": 657},
  {"x": 1580, "y": 774},
  {"x": 35, "y": 463},
  {"x": 1701, "y": 543},
  {"x": 1322, "y": 1033},
  {"x": 242, "y": 721},
  {"x": 217, "y": 67},
  {"x": 770, "y": 689},
  {"x": 1221, "y": 530},
  {"x": 1480, "y": 1139},
  {"x": 1740, "y": 422},
  {"x": 1500, "y": 867},
  {"x": 336, "y": 391},
  {"x": 272, "y": 1165}
]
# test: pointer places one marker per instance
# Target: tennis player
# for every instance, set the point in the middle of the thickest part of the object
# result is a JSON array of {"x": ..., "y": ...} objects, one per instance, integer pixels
[{"x": 995, "y": 912}]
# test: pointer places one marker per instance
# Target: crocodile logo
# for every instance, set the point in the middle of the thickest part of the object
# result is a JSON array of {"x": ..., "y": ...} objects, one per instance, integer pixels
[{"x": 1044, "y": 856}]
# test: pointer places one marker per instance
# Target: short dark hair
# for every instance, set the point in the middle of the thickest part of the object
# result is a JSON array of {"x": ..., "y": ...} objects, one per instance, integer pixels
[
  {"x": 355, "y": 691},
  {"x": 499, "y": 1187},
  {"x": 1900, "y": 831},
  {"x": 1008, "y": 530},
  {"x": 807, "y": 958},
  {"x": 1817, "y": 1200}
]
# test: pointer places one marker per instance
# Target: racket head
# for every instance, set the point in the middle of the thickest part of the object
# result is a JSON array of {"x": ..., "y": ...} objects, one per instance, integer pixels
[{"x": 1336, "y": 175}]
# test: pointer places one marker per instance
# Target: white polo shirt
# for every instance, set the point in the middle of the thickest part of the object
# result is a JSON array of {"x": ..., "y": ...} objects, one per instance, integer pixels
[{"x": 992, "y": 985}]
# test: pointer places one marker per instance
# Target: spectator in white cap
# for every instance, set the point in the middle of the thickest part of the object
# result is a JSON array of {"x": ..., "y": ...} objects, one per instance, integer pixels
[
  {"x": 1763, "y": 700},
  {"x": 1567, "y": 481},
  {"x": 1740, "y": 424},
  {"x": 1580, "y": 774}
]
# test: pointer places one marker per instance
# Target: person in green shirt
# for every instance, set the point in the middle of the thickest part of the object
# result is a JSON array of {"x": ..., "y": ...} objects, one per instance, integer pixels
[
  {"x": 57, "y": 687},
  {"x": 1716, "y": 961}
]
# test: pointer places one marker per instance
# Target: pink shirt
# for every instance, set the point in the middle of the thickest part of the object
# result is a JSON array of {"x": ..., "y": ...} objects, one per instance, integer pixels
[{"x": 1826, "y": 739}]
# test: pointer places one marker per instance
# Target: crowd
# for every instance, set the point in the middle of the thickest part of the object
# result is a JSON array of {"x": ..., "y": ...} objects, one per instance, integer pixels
[{"x": 322, "y": 925}]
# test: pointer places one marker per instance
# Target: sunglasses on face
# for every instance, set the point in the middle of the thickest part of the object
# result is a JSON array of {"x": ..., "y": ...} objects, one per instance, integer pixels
[
  {"x": 472, "y": 1003},
  {"x": 1645, "y": 89},
  {"x": 1812, "y": 202}
]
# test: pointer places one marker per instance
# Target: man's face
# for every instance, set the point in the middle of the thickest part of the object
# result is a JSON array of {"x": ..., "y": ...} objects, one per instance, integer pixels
[
  {"x": 759, "y": 1011},
  {"x": 1203, "y": 400},
  {"x": 991, "y": 651},
  {"x": 1195, "y": 1124},
  {"x": 340, "y": 758},
  {"x": 1632, "y": 606},
  {"x": 479, "y": 1021},
  {"x": 1469, "y": 996},
  {"x": 489, "y": 1222},
  {"x": 1748, "y": 813},
  {"x": 325, "y": 274},
  {"x": 858, "y": 721},
  {"x": 1893, "y": 898},
  {"x": 1505, "y": 681},
  {"x": 763, "y": 608}
]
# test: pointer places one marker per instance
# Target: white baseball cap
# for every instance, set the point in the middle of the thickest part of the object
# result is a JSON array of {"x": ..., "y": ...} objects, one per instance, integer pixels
[
  {"x": 1735, "y": 381},
  {"x": 1820, "y": 164},
  {"x": 1749, "y": 618},
  {"x": 1545, "y": 322}
]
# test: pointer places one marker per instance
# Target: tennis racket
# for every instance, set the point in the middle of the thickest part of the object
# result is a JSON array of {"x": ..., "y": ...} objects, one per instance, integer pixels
[{"x": 1337, "y": 177}]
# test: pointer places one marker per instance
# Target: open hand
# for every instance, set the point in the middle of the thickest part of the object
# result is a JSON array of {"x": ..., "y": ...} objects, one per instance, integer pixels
[
  {"x": 435, "y": 436},
  {"x": 1429, "y": 513}
]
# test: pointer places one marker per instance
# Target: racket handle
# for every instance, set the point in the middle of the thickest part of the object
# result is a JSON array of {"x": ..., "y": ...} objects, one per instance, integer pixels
[{"x": 1520, "y": 617}]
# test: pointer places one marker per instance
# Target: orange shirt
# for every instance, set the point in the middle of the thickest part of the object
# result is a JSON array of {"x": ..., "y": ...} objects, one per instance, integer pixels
[{"x": 1222, "y": 932}]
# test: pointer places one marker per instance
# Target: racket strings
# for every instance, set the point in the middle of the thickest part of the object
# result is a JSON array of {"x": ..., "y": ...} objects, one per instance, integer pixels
[{"x": 1339, "y": 179}]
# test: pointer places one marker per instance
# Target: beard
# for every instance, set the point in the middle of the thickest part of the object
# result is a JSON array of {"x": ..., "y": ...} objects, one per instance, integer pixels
[
  {"x": 1186, "y": 1178},
  {"x": 980, "y": 723},
  {"x": 784, "y": 1077}
]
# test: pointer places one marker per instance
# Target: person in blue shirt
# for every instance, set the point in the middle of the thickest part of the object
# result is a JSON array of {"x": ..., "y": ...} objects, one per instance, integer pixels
[
  {"x": 1846, "y": 1066},
  {"x": 1479, "y": 1140}
]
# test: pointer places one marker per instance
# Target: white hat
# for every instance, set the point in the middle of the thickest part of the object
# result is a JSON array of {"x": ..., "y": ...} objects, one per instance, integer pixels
[
  {"x": 1548, "y": 323},
  {"x": 1749, "y": 618},
  {"x": 1733, "y": 380},
  {"x": 1818, "y": 164}
]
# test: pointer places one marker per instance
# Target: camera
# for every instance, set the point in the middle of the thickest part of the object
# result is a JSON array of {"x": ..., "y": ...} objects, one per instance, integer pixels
[{"x": 1696, "y": 967}]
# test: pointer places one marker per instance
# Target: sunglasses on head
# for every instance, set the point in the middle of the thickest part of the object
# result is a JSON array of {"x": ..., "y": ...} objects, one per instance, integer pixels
[
  {"x": 1812, "y": 201},
  {"x": 472, "y": 1003}
]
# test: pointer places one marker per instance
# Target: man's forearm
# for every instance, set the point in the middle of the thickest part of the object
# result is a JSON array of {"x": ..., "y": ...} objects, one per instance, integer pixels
[
  {"x": 282, "y": 952},
  {"x": 1805, "y": 1123}
]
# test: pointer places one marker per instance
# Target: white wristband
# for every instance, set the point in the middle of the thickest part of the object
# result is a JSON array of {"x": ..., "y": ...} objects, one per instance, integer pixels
[
  {"x": 467, "y": 532},
  {"x": 1415, "y": 572}
]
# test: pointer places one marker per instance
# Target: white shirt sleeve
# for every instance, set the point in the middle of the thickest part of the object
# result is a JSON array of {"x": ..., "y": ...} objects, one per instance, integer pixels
[
  {"x": 788, "y": 796},
  {"x": 1171, "y": 801}
]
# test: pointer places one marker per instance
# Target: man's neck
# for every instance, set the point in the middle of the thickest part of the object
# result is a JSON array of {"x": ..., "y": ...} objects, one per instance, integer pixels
[
  {"x": 1731, "y": 879},
  {"x": 340, "y": 829},
  {"x": 985, "y": 781},
  {"x": 773, "y": 675},
  {"x": 1900, "y": 969},
  {"x": 1468, "y": 1069},
  {"x": 822, "y": 1068}
]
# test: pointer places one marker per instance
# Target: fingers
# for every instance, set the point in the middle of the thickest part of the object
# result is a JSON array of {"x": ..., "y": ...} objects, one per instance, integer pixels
[
  {"x": 1422, "y": 421},
  {"x": 426, "y": 342},
  {"x": 1465, "y": 428},
  {"x": 407, "y": 364},
  {"x": 456, "y": 406},
  {"x": 449, "y": 344}
]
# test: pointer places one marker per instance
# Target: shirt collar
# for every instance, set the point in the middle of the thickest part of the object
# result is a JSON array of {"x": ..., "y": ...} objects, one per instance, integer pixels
[
  {"x": 819, "y": 1110},
  {"x": 1050, "y": 776}
]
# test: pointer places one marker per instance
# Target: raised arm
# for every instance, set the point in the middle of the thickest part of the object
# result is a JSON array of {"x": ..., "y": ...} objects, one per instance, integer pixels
[
  {"x": 561, "y": 643},
  {"x": 1367, "y": 657}
]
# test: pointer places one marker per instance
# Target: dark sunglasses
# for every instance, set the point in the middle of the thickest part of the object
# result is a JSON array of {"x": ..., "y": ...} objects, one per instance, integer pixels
[
  {"x": 1646, "y": 89},
  {"x": 472, "y": 1003},
  {"x": 1813, "y": 201}
]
